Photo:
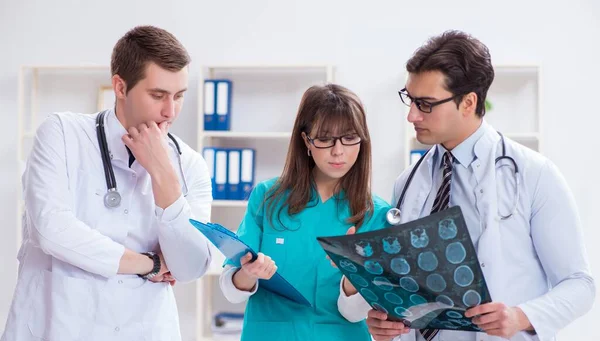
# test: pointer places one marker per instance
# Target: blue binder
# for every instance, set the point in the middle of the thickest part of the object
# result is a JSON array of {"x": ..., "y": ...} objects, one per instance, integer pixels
[
  {"x": 247, "y": 173},
  {"x": 416, "y": 154},
  {"x": 234, "y": 190},
  {"x": 234, "y": 249},
  {"x": 210, "y": 96},
  {"x": 223, "y": 104},
  {"x": 220, "y": 189}
]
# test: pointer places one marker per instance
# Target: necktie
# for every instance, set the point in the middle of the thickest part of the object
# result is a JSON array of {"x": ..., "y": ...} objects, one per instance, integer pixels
[
  {"x": 442, "y": 199},
  {"x": 131, "y": 157},
  {"x": 441, "y": 202}
]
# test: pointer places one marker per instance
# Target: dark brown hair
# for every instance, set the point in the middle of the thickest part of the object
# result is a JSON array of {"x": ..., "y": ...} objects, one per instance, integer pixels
[
  {"x": 144, "y": 44},
  {"x": 324, "y": 110},
  {"x": 464, "y": 60}
]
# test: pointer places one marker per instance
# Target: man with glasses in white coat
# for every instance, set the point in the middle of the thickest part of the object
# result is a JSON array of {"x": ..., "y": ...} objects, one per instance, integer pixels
[{"x": 527, "y": 233}]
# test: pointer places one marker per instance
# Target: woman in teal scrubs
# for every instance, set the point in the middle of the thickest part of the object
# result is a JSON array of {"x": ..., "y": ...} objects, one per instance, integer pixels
[{"x": 324, "y": 190}]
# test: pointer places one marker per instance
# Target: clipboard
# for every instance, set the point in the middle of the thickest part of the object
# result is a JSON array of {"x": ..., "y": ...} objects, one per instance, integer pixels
[
  {"x": 424, "y": 273},
  {"x": 234, "y": 249}
]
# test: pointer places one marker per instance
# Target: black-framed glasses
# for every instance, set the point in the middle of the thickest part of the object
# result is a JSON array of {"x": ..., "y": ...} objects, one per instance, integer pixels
[
  {"x": 422, "y": 105},
  {"x": 323, "y": 142}
]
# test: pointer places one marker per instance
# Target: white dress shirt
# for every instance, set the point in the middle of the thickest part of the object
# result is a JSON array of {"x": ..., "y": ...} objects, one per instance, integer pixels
[
  {"x": 68, "y": 287},
  {"x": 535, "y": 260}
]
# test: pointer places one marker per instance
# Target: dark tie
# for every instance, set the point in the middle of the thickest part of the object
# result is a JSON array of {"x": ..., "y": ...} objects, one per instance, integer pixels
[
  {"x": 441, "y": 202},
  {"x": 131, "y": 157},
  {"x": 442, "y": 199}
]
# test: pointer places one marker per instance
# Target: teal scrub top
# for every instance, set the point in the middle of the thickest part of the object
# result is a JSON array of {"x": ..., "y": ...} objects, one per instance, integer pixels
[{"x": 302, "y": 262}]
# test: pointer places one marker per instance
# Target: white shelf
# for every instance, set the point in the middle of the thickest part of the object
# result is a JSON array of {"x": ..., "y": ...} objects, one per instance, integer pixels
[
  {"x": 215, "y": 269},
  {"x": 523, "y": 136},
  {"x": 216, "y": 265},
  {"x": 271, "y": 68},
  {"x": 516, "y": 69},
  {"x": 247, "y": 135},
  {"x": 229, "y": 203}
]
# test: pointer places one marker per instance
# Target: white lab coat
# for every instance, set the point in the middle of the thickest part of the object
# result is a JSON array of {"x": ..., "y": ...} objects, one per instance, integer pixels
[
  {"x": 68, "y": 287},
  {"x": 535, "y": 260}
]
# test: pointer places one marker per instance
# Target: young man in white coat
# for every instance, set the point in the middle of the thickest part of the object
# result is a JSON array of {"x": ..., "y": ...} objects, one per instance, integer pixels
[
  {"x": 99, "y": 264},
  {"x": 532, "y": 254}
]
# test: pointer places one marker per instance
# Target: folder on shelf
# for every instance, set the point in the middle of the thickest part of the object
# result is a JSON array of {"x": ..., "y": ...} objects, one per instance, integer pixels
[
  {"x": 416, "y": 154},
  {"x": 209, "y": 156},
  {"x": 223, "y": 104},
  {"x": 234, "y": 249},
  {"x": 233, "y": 174},
  {"x": 247, "y": 173},
  {"x": 220, "y": 189},
  {"x": 227, "y": 323},
  {"x": 210, "y": 119}
]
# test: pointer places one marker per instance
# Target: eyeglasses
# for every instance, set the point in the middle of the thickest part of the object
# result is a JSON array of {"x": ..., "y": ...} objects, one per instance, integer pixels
[
  {"x": 330, "y": 141},
  {"x": 422, "y": 104}
]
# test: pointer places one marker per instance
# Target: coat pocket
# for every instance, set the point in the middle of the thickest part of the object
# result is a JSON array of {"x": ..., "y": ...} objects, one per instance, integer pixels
[
  {"x": 161, "y": 320},
  {"x": 62, "y": 308}
]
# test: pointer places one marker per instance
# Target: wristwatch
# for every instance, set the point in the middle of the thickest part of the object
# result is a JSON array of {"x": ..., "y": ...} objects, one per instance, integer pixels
[{"x": 156, "y": 268}]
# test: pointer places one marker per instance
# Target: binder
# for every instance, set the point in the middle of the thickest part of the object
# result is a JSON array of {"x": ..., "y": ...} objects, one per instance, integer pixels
[
  {"x": 210, "y": 119},
  {"x": 234, "y": 249},
  {"x": 247, "y": 173},
  {"x": 233, "y": 174},
  {"x": 416, "y": 154},
  {"x": 209, "y": 156},
  {"x": 227, "y": 323},
  {"x": 220, "y": 192},
  {"x": 223, "y": 104}
]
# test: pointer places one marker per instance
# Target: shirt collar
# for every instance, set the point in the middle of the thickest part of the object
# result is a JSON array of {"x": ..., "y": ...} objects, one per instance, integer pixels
[
  {"x": 314, "y": 194},
  {"x": 464, "y": 153},
  {"x": 114, "y": 131},
  {"x": 485, "y": 144}
]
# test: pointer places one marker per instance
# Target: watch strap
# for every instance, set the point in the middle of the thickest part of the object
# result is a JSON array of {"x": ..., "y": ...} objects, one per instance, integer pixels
[{"x": 157, "y": 265}]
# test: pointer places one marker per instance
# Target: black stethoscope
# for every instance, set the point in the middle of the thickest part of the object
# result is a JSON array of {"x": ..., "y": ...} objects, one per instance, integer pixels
[
  {"x": 393, "y": 215},
  {"x": 112, "y": 198}
]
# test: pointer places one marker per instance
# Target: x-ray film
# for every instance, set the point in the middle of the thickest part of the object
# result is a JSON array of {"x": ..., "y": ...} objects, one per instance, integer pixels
[{"x": 424, "y": 273}]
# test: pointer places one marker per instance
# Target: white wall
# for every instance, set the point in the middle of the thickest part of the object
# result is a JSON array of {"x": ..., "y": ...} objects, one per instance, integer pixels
[{"x": 368, "y": 42}]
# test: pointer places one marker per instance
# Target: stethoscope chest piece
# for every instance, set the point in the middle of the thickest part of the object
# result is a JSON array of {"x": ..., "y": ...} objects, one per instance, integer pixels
[
  {"x": 393, "y": 216},
  {"x": 112, "y": 198}
]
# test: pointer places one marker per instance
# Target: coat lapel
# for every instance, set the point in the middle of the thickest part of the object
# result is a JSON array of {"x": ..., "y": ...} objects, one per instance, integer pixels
[
  {"x": 418, "y": 189},
  {"x": 489, "y": 246}
]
